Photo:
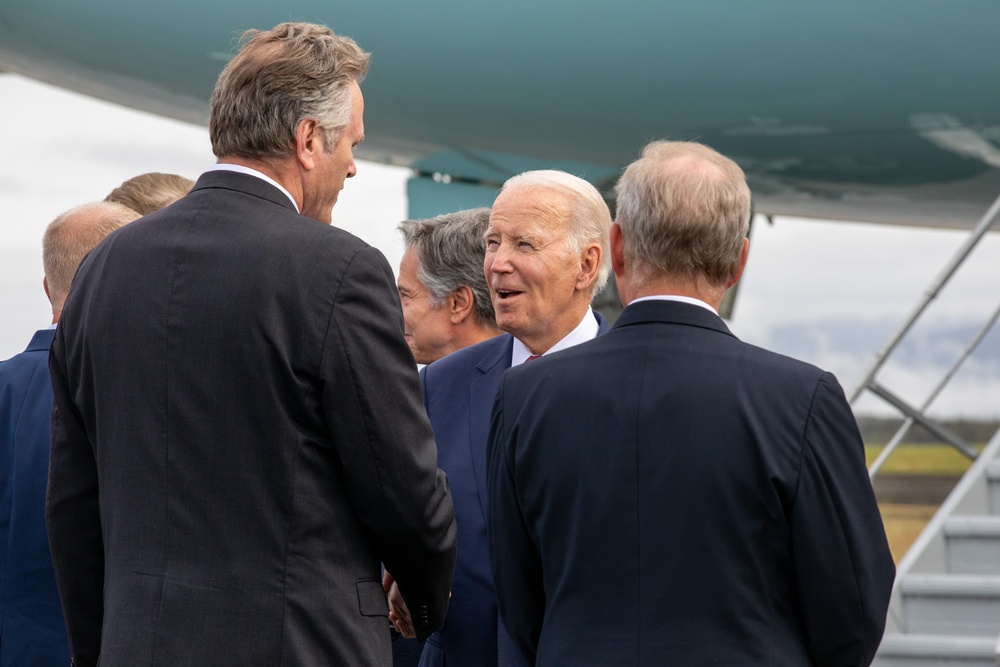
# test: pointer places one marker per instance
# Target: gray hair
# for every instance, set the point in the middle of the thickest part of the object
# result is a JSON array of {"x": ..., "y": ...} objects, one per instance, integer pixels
[
  {"x": 684, "y": 210},
  {"x": 150, "y": 192},
  {"x": 450, "y": 250},
  {"x": 280, "y": 77},
  {"x": 589, "y": 220},
  {"x": 71, "y": 236}
]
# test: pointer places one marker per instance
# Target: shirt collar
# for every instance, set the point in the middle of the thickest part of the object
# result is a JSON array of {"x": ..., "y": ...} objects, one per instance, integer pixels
[
  {"x": 584, "y": 331},
  {"x": 673, "y": 297},
  {"x": 240, "y": 169}
]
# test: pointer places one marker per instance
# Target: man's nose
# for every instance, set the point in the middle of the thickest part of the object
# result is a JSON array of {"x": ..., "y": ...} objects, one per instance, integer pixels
[{"x": 501, "y": 260}]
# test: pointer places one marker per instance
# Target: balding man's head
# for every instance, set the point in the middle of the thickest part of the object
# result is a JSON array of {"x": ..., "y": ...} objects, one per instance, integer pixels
[
  {"x": 70, "y": 237},
  {"x": 684, "y": 212}
]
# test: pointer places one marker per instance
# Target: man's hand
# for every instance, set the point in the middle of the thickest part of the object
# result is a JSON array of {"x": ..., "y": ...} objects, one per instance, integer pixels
[{"x": 399, "y": 614}]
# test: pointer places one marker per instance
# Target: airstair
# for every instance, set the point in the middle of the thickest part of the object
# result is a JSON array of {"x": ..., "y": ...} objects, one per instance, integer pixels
[{"x": 945, "y": 605}]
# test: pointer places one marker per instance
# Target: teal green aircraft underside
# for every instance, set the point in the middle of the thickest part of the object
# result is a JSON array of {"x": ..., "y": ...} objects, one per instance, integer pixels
[{"x": 880, "y": 110}]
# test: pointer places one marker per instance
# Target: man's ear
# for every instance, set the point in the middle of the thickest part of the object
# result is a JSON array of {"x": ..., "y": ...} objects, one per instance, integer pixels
[
  {"x": 617, "y": 250},
  {"x": 45, "y": 286},
  {"x": 460, "y": 304},
  {"x": 309, "y": 140},
  {"x": 743, "y": 264},
  {"x": 590, "y": 264}
]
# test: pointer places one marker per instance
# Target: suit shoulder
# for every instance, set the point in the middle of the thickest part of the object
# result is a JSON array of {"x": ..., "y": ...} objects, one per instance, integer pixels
[
  {"x": 484, "y": 354},
  {"x": 779, "y": 363},
  {"x": 22, "y": 371},
  {"x": 23, "y": 362}
]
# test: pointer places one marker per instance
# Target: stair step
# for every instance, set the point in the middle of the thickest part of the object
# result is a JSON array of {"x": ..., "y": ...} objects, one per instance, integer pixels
[
  {"x": 973, "y": 544},
  {"x": 993, "y": 480},
  {"x": 909, "y": 650},
  {"x": 951, "y": 604}
]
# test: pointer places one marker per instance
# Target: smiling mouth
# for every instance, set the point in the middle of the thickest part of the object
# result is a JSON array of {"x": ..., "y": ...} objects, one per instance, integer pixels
[{"x": 505, "y": 294}]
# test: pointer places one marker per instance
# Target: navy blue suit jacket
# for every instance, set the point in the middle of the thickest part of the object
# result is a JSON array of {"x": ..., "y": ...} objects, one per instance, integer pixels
[
  {"x": 32, "y": 631},
  {"x": 458, "y": 392},
  {"x": 669, "y": 495}
]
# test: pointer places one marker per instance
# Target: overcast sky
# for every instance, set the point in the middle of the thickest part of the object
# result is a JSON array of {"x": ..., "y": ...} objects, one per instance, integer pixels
[{"x": 828, "y": 292}]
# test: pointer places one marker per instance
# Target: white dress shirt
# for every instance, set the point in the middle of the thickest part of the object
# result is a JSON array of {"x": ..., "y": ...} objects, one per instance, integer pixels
[
  {"x": 225, "y": 166},
  {"x": 584, "y": 331},
  {"x": 673, "y": 297}
]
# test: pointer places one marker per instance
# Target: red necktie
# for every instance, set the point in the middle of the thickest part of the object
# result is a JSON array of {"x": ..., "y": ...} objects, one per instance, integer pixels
[{"x": 532, "y": 358}]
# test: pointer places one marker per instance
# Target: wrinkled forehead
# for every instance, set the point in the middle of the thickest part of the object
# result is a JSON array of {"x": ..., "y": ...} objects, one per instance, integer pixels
[{"x": 530, "y": 210}]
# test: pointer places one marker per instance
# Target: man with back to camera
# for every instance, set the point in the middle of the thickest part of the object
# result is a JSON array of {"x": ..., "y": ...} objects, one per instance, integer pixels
[
  {"x": 445, "y": 298},
  {"x": 235, "y": 457},
  {"x": 32, "y": 630},
  {"x": 667, "y": 494},
  {"x": 546, "y": 256}
]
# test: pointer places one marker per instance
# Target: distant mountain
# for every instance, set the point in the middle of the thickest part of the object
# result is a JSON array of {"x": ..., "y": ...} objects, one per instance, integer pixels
[
  {"x": 846, "y": 346},
  {"x": 934, "y": 347}
]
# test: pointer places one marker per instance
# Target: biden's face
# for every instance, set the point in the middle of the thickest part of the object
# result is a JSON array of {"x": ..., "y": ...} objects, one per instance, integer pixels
[{"x": 532, "y": 267}]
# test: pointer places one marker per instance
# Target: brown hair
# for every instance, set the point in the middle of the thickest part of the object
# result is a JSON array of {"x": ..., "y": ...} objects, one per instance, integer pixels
[{"x": 280, "y": 77}]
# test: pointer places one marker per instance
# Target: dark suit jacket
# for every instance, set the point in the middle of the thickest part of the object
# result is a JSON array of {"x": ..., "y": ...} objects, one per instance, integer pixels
[
  {"x": 669, "y": 495},
  {"x": 458, "y": 392},
  {"x": 237, "y": 415},
  {"x": 32, "y": 631}
]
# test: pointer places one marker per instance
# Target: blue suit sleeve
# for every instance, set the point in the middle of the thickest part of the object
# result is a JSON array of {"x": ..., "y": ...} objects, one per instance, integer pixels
[{"x": 844, "y": 569}]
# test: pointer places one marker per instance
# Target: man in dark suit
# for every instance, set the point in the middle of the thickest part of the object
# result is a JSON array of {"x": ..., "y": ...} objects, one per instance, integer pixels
[
  {"x": 669, "y": 495},
  {"x": 238, "y": 439},
  {"x": 546, "y": 255},
  {"x": 32, "y": 630}
]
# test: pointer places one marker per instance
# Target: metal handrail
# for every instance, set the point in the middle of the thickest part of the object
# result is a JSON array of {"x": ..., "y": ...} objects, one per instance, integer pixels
[
  {"x": 908, "y": 423},
  {"x": 983, "y": 226}
]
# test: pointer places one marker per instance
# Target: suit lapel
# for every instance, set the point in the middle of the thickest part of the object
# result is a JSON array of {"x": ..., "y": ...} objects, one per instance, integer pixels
[
  {"x": 602, "y": 324},
  {"x": 482, "y": 391}
]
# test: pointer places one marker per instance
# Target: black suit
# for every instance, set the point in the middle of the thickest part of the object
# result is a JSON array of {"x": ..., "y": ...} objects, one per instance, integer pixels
[
  {"x": 238, "y": 442},
  {"x": 669, "y": 495}
]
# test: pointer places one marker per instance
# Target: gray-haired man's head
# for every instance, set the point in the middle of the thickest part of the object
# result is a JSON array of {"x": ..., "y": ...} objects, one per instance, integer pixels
[{"x": 446, "y": 302}]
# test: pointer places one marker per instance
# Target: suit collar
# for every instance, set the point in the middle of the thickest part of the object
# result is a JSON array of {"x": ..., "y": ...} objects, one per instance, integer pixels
[
  {"x": 496, "y": 350},
  {"x": 42, "y": 340},
  {"x": 243, "y": 169},
  {"x": 493, "y": 362},
  {"x": 671, "y": 312},
  {"x": 245, "y": 183},
  {"x": 602, "y": 324}
]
